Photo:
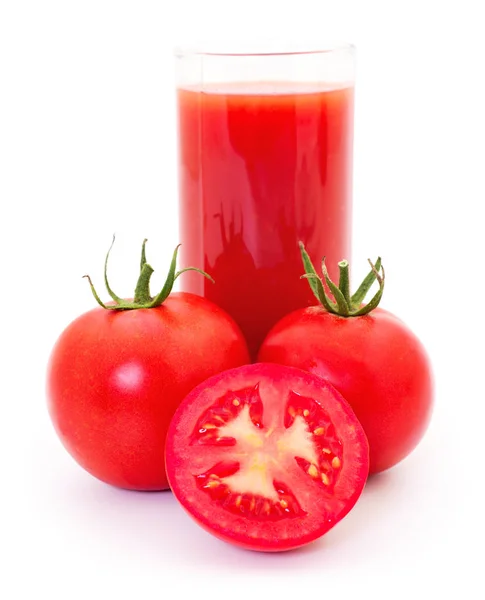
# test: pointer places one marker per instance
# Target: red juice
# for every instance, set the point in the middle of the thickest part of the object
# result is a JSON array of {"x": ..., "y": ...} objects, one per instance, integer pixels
[{"x": 263, "y": 167}]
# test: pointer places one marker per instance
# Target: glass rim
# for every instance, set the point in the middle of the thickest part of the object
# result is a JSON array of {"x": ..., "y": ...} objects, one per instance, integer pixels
[{"x": 302, "y": 49}]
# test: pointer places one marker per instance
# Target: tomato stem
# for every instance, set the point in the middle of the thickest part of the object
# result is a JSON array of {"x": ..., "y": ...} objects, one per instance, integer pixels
[
  {"x": 344, "y": 280},
  {"x": 168, "y": 285},
  {"x": 116, "y": 298},
  {"x": 345, "y": 305},
  {"x": 142, "y": 297},
  {"x": 315, "y": 282},
  {"x": 365, "y": 286},
  {"x": 143, "y": 258},
  {"x": 142, "y": 290},
  {"x": 374, "y": 303},
  {"x": 95, "y": 294}
]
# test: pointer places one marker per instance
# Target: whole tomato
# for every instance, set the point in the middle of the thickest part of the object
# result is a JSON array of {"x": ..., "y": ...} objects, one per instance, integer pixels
[
  {"x": 117, "y": 373},
  {"x": 368, "y": 354}
]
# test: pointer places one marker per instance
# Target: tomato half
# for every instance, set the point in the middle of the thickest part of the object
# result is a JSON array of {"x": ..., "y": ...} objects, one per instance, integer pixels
[
  {"x": 266, "y": 457},
  {"x": 115, "y": 379}
]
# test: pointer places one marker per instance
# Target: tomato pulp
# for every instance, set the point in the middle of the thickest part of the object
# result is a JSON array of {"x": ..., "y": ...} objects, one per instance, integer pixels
[
  {"x": 266, "y": 457},
  {"x": 262, "y": 168}
]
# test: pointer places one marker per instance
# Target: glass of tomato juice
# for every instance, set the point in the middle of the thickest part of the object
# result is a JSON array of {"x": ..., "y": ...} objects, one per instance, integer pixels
[{"x": 265, "y": 161}]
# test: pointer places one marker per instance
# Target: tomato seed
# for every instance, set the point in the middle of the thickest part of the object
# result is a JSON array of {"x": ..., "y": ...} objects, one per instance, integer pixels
[
  {"x": 283, "y": 504},
  {"x": 306, "y": 412},
  {"x": 319, "y": 431},
  {"x": 326, "y": 451},
  {"x": 336, "y": 462},
  {"x": 325, "y": 479},
  {"x": 236, "y": 402},
  {"x": 312, "y": 471}
]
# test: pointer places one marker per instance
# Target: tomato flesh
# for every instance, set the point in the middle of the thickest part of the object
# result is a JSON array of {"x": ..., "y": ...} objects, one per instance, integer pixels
[{"x": 267, "y": 457}]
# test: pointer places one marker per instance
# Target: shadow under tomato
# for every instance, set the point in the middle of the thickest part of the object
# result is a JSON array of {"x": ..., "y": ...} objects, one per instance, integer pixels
[
  {"x": 377, "y": 499},
  {"x": 380, "y": 482},
  {"x": 156, "y": 528}
]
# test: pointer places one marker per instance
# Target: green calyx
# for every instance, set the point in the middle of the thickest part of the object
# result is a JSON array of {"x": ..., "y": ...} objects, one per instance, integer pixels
[
  {"x": 142, "y": 297},
  {"x": 344, "y": 304}
]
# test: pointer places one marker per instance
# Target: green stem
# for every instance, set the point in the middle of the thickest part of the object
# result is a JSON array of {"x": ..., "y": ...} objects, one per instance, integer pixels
[
  {"x": 365, "y": 286},
  {"x": 206, "y": 275},
  {"x": 142, "y": 297},
  {"x": 374, "y": 303},
  {"x": 324, "y": 299},
  {"x": 95, "y": 293},
  {"x": 167, "y": 288},
  {"x": 345, "y": 305},
  {"x": 116, "y": 298},
  {"x": 315, "y": 282},
  {"x": 344, "y": 281},
  {"x": 143, "y": 259},
  {"x": 142, "y": 290}
]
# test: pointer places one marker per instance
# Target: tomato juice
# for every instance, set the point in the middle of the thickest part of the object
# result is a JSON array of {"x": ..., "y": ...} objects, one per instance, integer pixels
[{"x": 263, "y": 166}]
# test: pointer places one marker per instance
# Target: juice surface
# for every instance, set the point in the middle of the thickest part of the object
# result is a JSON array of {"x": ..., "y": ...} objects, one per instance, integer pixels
[{"x": 263, "y": 167}]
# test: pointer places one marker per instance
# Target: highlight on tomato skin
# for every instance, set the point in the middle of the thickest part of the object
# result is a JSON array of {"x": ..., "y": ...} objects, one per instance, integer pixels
[{"x": 266, "y": 457}]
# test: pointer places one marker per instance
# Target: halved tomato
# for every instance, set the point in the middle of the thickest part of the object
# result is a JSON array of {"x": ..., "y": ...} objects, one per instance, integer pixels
[{"x": 267, "y": 457}]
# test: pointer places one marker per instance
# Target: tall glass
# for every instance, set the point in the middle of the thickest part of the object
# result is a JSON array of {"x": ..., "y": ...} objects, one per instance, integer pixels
[{"x": 265, "y": 142}]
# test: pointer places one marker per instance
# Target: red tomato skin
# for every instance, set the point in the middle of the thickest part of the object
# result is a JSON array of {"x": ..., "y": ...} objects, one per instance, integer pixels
[
  {"x": 377, "y": 364},
  {"x": 115, "y": 378}
]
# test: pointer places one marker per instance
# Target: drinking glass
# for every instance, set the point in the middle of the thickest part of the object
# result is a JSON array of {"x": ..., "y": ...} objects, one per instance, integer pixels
[{"x": 265, "y": 161}]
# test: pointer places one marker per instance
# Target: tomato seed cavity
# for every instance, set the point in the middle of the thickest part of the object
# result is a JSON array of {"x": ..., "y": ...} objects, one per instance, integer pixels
[
  {"x": 224, "y": 410},
  {"x": 247, "y": 504},
  {"x": 329, "y": 462},
  {"x": 245, "y": 486}
]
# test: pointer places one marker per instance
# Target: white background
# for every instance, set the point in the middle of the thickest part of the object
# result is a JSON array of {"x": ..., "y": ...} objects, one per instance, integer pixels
[{"x": 87, "y": 148}]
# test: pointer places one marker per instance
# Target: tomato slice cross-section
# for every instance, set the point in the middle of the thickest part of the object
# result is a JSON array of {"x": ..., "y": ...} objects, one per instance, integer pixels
[{"x": 267, "y": 457}]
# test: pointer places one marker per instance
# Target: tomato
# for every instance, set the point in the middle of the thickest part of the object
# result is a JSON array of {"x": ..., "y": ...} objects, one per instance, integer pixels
[
  {"x": 266, "y": 457},
  {"x": 115, "y": 378},
  {"x": 374, "y": 360}
]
